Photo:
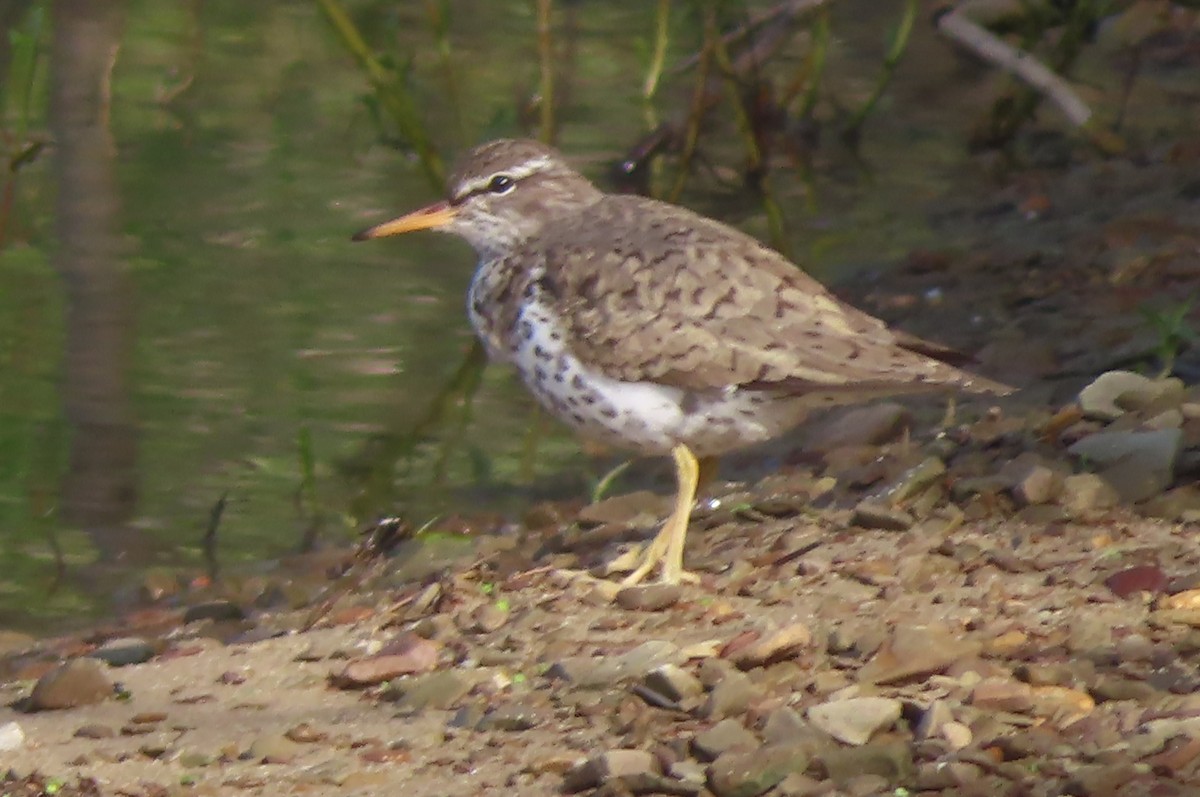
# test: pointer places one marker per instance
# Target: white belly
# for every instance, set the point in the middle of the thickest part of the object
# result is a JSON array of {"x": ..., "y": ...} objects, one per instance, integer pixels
[{"x": 643, "y": 416}]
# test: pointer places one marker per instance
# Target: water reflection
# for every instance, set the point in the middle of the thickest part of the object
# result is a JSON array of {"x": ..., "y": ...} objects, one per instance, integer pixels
[{"x": 99, "y": 491}]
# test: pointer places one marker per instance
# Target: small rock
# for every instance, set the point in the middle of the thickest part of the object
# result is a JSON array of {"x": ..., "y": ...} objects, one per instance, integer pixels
[
  {"x": 957, "y": 735},
  {"x": 649, "y": 597},
  {"x": 1030, "y": 481},
  {"x": 218, "y": 611},
  {"x": 124, "y": 651},
  {"x": 855, "y": 719},
  {"x": 891, "y": 760},
  {"x": 784, "y": 725},
  {"x": 513, "y": 717},
  {"x": 628, "y": 768},
  {"x": 915, "y": 651},
  {"x": 726, "y": 735},
  {"x": 646, "y": 656},
  {"x": 484, "y": 619},
  {"x": 1086, "y": 493},
  {"x": 1002, "y": 694},
  {"x": 689, "y": 772},
  {"x": 730, "y": 697},
  {"x": 673, "y": 682},
  {"x": 1136, "y": 580},
  {"x": 585, "y": 672},
  {"x": 273, "y": 749},
  {"x": 95, "y": 731},
  {"x": 746, "y": 773},
  {"x": 939, "y": 775},
  {"x": 1062, "y": 703},
  {"x": 78, "y": 682},
  {"x": 410, "y": 655},
  {"x": 1138, "y": 464},
  {"x": 437, "y": 690},
  {"x": 1114, "y": 393},
  {"x": 871, "y": 514},
  {"x": 777, "y": 646},
  {"x": 12, "y": 737},
  {"x": 932, "y": 719}
]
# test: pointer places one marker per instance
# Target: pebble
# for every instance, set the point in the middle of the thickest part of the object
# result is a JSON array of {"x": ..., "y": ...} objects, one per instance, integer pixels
[
  {"x": 872, "y": 514},
  {"x": 776, "y": 646},
  {"x": 12, "y": 737},
  {"x": 726, "y": 735},
  {"x": 437, "y": 690},
  {"x": 1138, "y": 464},
  {"x": 585, "y": 672},
  {"x": 123, "y": 651},
  {"x": 628, "y": 768},
  {"x": 747, "y": 773},
  {"x": 855, "y": 720},
  {"x": 514, "y": 717},
  {"x": 273, "y": 748},
  {"x": 1031, "y": 482},
  {"x": 649, "y": 597},
  {"x": 1113, "y": 393},
  {"x": 78, "y": 682},
  {"x": 730, "y": 697},
  {"x": 889, "y": 760},
  {"x": 673, "y": 682},
  {"x": 1002, "y": 694},
  {"x": 914, "y": 651},
  {"x": 484, "y": 619},
  {"x": 1086, "y": 493},
  {"x": 418, "y": 655},
  {"x": 217, "y": 611}
]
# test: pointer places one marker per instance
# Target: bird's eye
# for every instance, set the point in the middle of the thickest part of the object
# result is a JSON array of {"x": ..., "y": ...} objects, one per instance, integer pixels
[{"x": 501, "y": 184}]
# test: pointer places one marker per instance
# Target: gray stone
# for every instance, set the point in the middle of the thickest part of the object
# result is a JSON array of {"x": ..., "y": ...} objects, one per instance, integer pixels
[
  {"x": 855, "y": 720},
  {"x": 746, "y": 773},
  {"x": 628, "y": 768},
  {"x": 586, "y": 672},
  {"x": 124, "y": 651},
  {"x": 514, "y": 717},
  {"x": 891, "y": 760},
  {"x": 673, "y": 682},
  {"x": 438, "y": 690},
  {"x": 726, "y": 735},
  {"x": 1137, "y": 464},
  {"x": 871, "y": 514},
  {"x": 645, "y": 657},
  {"x": 649, "y": 597},
  {"x": 730, "y": 697}
]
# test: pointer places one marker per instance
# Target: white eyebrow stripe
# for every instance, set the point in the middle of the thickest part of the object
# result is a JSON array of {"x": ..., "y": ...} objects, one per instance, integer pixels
[{"x": 527, "y": 168}]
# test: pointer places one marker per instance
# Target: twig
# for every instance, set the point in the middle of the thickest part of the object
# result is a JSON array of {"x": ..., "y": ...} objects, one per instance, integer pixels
[{"x": 955, "y": 26}]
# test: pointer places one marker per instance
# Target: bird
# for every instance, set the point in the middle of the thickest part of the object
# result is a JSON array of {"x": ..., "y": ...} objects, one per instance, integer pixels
[{"x": 651, "y": 328}]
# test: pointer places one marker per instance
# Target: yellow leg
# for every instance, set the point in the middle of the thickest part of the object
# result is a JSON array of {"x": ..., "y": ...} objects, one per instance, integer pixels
[{"x": 667, "y": 546}]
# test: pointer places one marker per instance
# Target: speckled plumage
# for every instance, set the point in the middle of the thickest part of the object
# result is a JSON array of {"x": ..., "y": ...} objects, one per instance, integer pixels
[{"x": 653, "y": 328}]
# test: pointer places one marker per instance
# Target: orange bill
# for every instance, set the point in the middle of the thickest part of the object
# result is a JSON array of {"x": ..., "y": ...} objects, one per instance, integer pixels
[{"x": 430, "y": 217}]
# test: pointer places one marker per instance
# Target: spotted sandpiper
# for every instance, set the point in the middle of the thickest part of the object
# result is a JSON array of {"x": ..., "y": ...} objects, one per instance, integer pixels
[{"x": 649, "y": 327}]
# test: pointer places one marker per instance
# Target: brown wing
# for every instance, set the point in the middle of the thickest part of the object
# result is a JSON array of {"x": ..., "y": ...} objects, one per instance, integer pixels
[{"x": 686, "y": 301}]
